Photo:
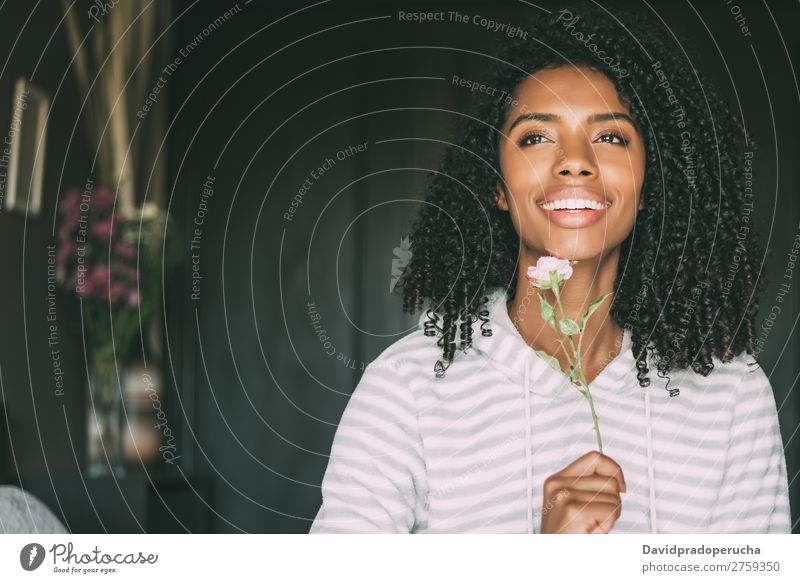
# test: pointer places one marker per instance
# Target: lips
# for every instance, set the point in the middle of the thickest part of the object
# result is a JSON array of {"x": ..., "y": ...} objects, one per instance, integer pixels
[
  {"x": 574, "y": 218},
  {"x": 573, "y": 193}
]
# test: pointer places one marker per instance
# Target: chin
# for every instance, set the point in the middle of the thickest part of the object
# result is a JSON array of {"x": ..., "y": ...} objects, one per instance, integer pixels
[{"x": 569, "y": 248}]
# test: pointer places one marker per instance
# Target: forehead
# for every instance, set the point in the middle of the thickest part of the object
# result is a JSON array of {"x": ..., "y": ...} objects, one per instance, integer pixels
[{"x": 580, "y": 89}]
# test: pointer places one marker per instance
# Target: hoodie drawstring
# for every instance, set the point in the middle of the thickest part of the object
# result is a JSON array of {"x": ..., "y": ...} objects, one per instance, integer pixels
[
  {"x": 653, "y": 521},
  {"x": 529, "y": 447},
  {"x": 528, "y": 469}
]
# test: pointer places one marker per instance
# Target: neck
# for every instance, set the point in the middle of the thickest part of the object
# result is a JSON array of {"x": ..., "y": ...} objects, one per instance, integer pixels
[{"x": 591, "y": 278}]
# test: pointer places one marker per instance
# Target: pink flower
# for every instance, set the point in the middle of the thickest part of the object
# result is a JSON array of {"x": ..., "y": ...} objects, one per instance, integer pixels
[
  {"x": 69, "y": 211},
  {"x": 96, "y": 282},
  {"x": 133, "y": 298},
  {"x": 69, "y": 220},
  {"x": 102, "y": 230},
  {"x": 66, "y": 232},
  {"x": 125, "y": 271},
  {"x": 99, "y": 274},
  {"x": 539, "y": 275},
  {"x": 125, "y": 250},
  {"x": 70, "y": 201},
  {"x": 81, "y": 290},
  {"x": 102, "y": 199},
  {"x": 116, "y": 293}
]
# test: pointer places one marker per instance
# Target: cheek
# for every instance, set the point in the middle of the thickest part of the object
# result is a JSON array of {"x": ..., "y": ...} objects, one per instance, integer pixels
[
  {"x": 523, "y": 174},
  {"x": 624, "y": 174}
]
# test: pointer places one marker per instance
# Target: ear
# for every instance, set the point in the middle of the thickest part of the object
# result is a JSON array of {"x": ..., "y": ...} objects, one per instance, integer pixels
[{"x": 502, "y": 202}]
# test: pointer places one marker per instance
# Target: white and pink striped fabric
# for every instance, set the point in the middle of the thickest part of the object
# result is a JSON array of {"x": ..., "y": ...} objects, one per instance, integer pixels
[{"x": 418, "y": 454}]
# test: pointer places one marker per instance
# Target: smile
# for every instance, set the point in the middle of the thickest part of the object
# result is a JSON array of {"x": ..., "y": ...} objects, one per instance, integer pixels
[
  {"x": 575, "y": 204},
  {"x": 575, "y": 212}
]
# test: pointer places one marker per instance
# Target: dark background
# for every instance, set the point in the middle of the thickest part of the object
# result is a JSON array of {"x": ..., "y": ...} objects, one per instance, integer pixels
[{"x": 258, "y": 105}]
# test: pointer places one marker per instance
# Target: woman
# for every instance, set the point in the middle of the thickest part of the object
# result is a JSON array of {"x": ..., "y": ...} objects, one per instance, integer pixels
[{"x": 599, "y": 145}]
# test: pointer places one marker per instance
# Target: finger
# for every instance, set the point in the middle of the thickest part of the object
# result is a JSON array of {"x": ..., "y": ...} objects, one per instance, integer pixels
[
  {"x": 589, "y": 497},
  {"x": 583, "y": 517},
  {"x": 606, "y": 516},
  {"x": 595, "y": 482},
  {"x": 596, "y": 462}
]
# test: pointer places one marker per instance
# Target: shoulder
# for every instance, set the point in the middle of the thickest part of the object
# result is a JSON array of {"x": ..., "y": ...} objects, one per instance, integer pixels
[
  {"x": 410, "y": 358},
  {"x": 385, "y": 402},
  {"x": 729, "y": 386},
  {"x": 755, "y": 398},
  {"x": 740, "y": 374},
  {"x": 389, "y": 380},
  {"x": 747, "y": 373},
  {"x": 745, "y": 381}
]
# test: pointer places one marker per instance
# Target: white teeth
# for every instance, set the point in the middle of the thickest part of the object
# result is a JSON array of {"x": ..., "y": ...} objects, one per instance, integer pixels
[{"x": 574, "y": 203}]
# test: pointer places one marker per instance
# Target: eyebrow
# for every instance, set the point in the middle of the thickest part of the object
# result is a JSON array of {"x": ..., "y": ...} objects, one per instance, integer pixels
[{"x": 551, "y": 117}]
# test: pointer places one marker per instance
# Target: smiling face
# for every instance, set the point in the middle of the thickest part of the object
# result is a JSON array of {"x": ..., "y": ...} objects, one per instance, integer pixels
[{"x": 573, "y": 163}]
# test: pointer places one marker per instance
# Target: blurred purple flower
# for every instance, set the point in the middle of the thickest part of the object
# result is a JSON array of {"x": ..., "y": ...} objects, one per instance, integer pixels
[
  {"x": 106, "y": 273},
  {"x": 133, "y": 298},
  {"x": 102, "y": 199},
  {"x": 116, "y": 293},
  {"x": 96, "y": 282},
  {"x": 125, "y": 250},
  {"x": 80, "y": 291},
  {"x": 124, "y": 271},
  {"x": 103, "y": 230},
  {"x": 69, "y": 220},
  {"x": 70, "y": 201}
]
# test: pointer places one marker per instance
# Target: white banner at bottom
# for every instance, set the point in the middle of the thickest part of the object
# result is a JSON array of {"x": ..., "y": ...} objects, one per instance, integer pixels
[{"x": 388, "y": 558}]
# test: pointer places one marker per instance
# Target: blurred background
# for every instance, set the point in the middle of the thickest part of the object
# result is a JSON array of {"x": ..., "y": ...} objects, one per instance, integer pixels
[{"x": 204, "y": 209}]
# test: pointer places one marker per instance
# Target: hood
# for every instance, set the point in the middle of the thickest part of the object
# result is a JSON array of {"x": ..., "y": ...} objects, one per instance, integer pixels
[{"x": 507, "y": 351}]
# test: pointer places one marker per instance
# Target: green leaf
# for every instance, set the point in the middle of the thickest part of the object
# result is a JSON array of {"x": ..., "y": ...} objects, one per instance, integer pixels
[
  {"x": 549, "y": 359},
  {"x": 575, "y": 376},
  {"x": 592, "y": 308},
  {"x": 569, "y": 327},
  {"x": 548, "y": 314}
]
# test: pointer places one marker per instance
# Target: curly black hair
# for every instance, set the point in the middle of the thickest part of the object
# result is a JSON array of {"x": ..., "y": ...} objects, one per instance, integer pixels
[{"x": 689, "y": 277}]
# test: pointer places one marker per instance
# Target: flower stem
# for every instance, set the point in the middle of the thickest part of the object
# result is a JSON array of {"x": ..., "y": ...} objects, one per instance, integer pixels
[
  {"x": 558, "y": 330},
  {"x": 579, "y": 367},
  {"x": 563, "y": 315},
  {"x": 577, "y": 362},
  {"x": 588, "y": 395}
]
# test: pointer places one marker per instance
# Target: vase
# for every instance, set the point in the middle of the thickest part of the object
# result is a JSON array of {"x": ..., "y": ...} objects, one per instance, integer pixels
[
  {"x": 141, "y": 437},
  {"x": 103, "y": 419}
]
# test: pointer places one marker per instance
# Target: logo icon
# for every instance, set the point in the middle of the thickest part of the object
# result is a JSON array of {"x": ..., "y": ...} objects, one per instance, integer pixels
[
  {"x": 31, "y": 556},
  {"x": 402, "y": 255}
]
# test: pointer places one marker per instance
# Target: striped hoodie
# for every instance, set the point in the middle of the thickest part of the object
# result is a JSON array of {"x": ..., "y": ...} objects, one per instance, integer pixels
[{"x": 469, "y": 452}]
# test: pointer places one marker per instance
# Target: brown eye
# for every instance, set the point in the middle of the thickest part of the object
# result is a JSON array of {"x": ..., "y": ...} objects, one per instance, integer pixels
[
  {"x": 613, "y": 138},
  {"x": 532, "y": 139}
]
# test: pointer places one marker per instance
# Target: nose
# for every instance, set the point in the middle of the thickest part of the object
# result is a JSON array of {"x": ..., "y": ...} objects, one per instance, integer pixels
[{"x": 577, "y": 159}]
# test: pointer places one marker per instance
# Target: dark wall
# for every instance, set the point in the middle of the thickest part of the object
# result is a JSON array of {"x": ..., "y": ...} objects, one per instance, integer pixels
[
  {"x": 46, "y": 429},
  {"x": 267, "y": 98}
]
